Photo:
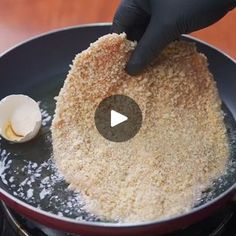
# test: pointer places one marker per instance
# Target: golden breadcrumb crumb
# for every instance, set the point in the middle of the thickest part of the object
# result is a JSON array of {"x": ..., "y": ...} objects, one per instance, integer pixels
[{"x": 181, "y": 147}]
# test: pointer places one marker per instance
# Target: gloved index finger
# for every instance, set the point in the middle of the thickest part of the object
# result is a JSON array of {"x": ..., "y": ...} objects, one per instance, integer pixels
[{"x": 153, "y": 41}]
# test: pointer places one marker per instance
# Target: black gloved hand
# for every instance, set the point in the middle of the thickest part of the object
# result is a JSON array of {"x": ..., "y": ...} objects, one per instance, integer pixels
[{"x": 155, "y": 23}]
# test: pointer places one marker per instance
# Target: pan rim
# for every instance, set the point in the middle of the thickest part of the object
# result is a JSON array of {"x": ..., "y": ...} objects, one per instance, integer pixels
[{"x": 107, "y": 224}]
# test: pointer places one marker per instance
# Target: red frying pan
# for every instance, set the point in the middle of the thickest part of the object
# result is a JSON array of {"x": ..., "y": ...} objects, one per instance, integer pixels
[{"x": 30, "y": 183}]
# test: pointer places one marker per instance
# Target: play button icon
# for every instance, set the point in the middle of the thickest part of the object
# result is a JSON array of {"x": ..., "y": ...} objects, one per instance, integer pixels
[{"x": 118, "y": 118}]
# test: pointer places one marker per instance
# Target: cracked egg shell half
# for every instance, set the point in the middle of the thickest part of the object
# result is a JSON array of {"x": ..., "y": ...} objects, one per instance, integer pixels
[{"x": 20, "y": 118}]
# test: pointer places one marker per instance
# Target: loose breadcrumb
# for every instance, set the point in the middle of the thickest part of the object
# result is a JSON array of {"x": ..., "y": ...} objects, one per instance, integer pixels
[{"x": 181, "y": 147}]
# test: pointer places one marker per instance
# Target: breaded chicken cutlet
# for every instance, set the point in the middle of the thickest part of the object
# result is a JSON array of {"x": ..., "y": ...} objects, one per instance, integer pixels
[{"x": 180, "y": 149}]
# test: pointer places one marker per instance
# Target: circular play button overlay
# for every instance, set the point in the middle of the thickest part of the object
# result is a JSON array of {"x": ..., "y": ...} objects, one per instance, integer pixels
[{"x": 118, "y": 118}]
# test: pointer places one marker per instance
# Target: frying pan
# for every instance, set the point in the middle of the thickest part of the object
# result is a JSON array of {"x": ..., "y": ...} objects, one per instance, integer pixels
[{"x": 30, "y": 183}]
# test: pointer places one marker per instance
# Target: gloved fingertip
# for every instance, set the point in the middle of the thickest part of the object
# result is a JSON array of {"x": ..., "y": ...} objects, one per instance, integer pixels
[
  {"x": 134, "y": 67},
  {"x": 115, "y": 29}
]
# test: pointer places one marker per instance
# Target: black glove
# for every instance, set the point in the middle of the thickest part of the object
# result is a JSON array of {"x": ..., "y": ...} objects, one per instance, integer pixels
[{"x": 155, "y": 23}]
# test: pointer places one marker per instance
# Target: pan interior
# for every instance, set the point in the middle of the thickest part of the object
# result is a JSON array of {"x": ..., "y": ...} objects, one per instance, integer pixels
[{"x": 28, "y": 172}]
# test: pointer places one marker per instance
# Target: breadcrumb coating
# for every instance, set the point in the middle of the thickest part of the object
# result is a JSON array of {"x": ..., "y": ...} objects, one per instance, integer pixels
[{"x": 180, "y": 149}]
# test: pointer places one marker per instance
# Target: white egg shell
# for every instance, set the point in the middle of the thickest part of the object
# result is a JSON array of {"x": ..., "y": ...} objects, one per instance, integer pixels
[{"x": 22, "y": 114}]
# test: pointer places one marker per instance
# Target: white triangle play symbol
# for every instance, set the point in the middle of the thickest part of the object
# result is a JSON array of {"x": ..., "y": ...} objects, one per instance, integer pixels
[{"x": 117, "y": 118}]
